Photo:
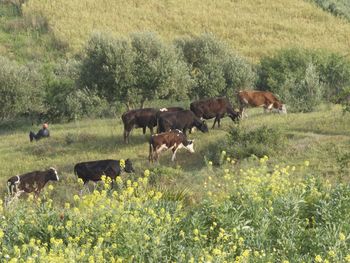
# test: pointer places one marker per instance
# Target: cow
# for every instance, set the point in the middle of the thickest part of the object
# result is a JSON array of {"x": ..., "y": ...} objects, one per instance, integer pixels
[
  {"x": 256, "y": 98},
  {"x": 181, "y": 120},
  {"x": 94, "y": 170},
  {"x": 139, "y": 118},
  {"x": 174, "y": 140},
  {"x": 161, "y": 111},
  {"x": 214, "y": 108},
  {"x": 30, "y": 182}
]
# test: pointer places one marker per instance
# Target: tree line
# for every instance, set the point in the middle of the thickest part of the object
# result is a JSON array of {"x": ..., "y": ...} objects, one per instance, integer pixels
[{"x": 114, "y": 73}]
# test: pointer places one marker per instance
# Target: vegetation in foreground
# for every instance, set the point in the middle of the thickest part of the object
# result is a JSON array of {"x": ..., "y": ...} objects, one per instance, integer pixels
[{"x": 291, "y": 206}]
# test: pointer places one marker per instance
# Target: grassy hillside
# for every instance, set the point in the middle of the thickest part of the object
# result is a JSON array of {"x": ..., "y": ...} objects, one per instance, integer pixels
[
  {"x": 19, "y": 41},
  {"x": 252, "y": 27}
]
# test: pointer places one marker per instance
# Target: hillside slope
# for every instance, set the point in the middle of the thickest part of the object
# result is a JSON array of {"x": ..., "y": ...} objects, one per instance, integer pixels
[{"x": 253, "y": 27}]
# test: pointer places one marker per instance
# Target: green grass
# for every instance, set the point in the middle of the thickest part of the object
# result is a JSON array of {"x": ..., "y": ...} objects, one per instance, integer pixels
[
  {"x": 254, "y": 28},
  {"x": 319, "y": 137},
  {"x": 19, "y": 41},
  {"x": 335, "y": 7}
]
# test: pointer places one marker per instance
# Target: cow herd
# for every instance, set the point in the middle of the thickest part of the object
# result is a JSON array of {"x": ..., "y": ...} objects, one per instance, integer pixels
[{"x": 172, "y": 125}]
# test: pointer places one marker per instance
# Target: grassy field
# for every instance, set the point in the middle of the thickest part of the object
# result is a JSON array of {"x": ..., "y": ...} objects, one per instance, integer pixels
[
  {"x": 254, "y": 28},
  {"x": 319, "y": 137},
  {"x": 290, "y": 207}
]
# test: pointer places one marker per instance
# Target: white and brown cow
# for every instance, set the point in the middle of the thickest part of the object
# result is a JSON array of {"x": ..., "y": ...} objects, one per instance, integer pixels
[
  {"x": 174, "y": 140},
  {"x": 257, "y": 98},
  {"x": 30, "y": 182}
]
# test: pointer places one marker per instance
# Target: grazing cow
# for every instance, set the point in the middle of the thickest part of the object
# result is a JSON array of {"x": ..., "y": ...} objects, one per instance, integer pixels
[
  {"x": 140, "y": 118},
  {"x": 30, "y": 182},
  {"x": 173, "y": 140},
  {"x": 165, "y": 110},
  {"x": 256, "y": 98},
  {"x": 214, "y": 108},
  {"x": 94, "y": 170},
  {"x": 181, "y": 120}
]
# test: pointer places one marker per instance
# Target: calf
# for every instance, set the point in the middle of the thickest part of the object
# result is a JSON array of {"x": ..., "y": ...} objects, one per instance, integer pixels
[
  {"x": 181, "y": 120},
  {"x": 140, "y": 118},
  {"x": 173, "y": 140},
  {"x": 256, "y": 98},
  {"x": 30, "y": 182},
  {"x": 214, "y": 108},
  {"x": 93, "y": 170}
]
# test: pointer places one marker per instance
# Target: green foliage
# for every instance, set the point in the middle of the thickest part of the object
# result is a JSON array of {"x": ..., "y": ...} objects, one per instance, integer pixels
[
  {"x": 19, "y": 89},
  {"x": 64, "y": 101},
  {"x": 134, "y": 71},
  {"x": 336, "y": 7},
  {"x": 215, "y": 69},
  {"x": 303, "y": 77}
]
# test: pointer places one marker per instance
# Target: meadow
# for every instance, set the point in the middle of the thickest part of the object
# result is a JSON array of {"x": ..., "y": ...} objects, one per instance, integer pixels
[
  {"x": 291, "y": 206},
  {"x": 253, "y": 28}
]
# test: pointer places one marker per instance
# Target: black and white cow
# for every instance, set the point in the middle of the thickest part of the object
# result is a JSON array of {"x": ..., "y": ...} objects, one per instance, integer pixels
[
  {"x": 173, "y": 140},
  {"x": 30, "y": 182}
]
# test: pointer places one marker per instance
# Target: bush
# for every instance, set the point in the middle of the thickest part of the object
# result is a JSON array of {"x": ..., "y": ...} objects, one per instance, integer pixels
[
  {"x": 302, "y": 78},
  {"x": 133, "y": 71},
  {"x": 215, "y": 69},
  {"x": 64, "y": 101},
  {"x": 19, "y": 89}
]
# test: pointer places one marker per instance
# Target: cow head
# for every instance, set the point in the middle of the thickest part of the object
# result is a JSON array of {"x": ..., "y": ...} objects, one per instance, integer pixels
[
  {"x": 53, "y": 174},
  {"x": 235, "y": 116},
  {"x": 189, "y": 145},
  {"x": 128, "y": 166},
  {"x": 283, "y": 109},
  {"x": 203, "y": 127}
]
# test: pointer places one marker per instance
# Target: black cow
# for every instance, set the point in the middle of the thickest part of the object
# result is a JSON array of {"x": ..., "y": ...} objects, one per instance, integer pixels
[
  {"x": 214, "y": 108},
  {"x": 165, "y": 110},
  {"x": 94, "y": 170},
  {"x": 30, "y": 182},
  {"x": 181, "y": 120},
  {"x": 140, "y": 118}
]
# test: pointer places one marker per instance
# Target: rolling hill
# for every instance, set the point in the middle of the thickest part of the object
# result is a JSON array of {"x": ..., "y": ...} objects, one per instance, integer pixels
[{"x": 253, "y": 27}]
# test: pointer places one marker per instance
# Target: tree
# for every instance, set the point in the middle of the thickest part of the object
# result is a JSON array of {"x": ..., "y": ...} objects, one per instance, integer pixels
[{"x": 215, "y": 69}]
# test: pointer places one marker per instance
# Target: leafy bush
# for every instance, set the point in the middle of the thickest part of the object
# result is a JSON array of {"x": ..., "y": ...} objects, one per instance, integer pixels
[
  {"x": 302, "y": 77},
  {"x": 241, "y": 143},
  {"x": 134, "y": 71},
  {"x": 19, "y": 89},
  {"x": 65, "y": 101},
  {"x": 336, "y": 7},
  {"x": 215, "y": 69}
]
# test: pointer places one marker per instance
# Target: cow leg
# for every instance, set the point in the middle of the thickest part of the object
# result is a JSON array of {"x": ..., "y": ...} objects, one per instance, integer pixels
[
  {"x": 144, "y": 130},
  {"x": 174, "y": 154},
  {"x": 219, "y": 119},
  {"x": 216, "y": 118},
  {"x": 126, "y": 136}
]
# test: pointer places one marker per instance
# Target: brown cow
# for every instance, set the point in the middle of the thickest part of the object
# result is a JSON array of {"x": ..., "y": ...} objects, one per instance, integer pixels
[
  {"x": 256, "y": 98},
  {"x": 139, "y": 118},
  {"x": 30, "y": 182},
  {"x": 174, "y": 140},
  {"x": 214, "y": 108}
]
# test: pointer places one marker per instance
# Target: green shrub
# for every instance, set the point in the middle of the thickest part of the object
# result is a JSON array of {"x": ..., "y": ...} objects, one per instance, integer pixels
[
  {"x": 215, "y": 69},
  {"x": 19, "y": 89},
  {"x": 302, "y": 78},
  {"x": 133, "y": 71}
]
